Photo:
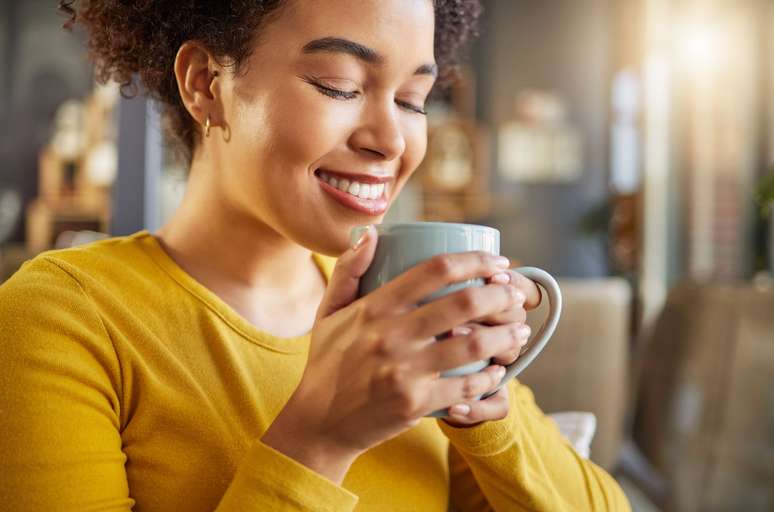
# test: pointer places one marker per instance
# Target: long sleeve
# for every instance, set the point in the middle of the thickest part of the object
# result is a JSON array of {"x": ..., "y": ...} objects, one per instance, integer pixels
[
  {"x": 60, "y": 413},
  {"x": 60, "y": 447},
  {"x": 522, "y": 462},
  {"x": 268, "y": 480}
]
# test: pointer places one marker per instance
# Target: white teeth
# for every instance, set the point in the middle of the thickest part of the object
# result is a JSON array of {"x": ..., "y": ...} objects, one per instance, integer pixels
[{"x": 355, "y": 188}]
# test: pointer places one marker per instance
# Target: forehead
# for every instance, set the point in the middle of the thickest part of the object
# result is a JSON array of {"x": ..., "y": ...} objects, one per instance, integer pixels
[{"x": 401, "y": 29}]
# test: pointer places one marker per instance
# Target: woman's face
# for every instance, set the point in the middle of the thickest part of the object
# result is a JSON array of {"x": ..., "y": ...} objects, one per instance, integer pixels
[{"x": 333, "y": 89}]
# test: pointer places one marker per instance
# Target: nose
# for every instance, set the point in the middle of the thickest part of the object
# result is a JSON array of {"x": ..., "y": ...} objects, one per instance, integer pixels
[{"x": 380, "y": 132}]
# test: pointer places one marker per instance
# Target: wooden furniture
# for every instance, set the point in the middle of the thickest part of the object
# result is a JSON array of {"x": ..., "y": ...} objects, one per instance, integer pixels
[
  {"x": 46, "y": 221},
  {"x": 705, "y": 411},
  {"x": 76, "y": 170}
]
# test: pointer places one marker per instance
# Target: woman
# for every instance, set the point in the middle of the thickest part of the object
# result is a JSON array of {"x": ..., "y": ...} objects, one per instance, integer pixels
[{"x": 222, "y": 362}]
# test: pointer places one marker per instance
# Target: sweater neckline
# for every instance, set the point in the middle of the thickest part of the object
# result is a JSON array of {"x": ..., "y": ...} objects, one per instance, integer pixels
[{"x": 229, "y": 315}]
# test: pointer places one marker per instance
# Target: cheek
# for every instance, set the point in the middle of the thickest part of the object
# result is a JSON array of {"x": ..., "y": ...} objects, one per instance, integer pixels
[
  {"x": 306, "y": 128},
  {"x": 289, "y": 128},
  {"x": 416, "y": 145}
]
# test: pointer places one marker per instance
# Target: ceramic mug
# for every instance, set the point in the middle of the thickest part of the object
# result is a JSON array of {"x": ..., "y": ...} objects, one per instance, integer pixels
[{"x": 401, "y": 246}]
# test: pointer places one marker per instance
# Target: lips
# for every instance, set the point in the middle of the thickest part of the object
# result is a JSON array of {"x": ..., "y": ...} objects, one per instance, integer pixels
[{"x": 368, "y": 205}]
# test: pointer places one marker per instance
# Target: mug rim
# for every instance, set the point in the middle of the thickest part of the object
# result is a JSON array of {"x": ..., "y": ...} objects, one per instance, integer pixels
[{"x": 433, "y": 224}]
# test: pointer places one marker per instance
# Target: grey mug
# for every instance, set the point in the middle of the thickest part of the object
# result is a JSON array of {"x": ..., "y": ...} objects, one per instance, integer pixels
[{"x": 401, "y": 246}]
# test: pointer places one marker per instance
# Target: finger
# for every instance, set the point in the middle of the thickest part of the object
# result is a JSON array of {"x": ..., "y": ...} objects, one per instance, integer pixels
[
  {"x": 515, "y": 314},
  {"x": 492, "y": 408},
  {"x": 454, "y": 309},
  {"x": 480, "y": 343},
  {"x": 453, "y": 390},
  {"x": 509, "y": 357},
  {"x": 345, "y": 279},
  {"x": 436, "y": 273},
  {"x": 530, "y": 289}
]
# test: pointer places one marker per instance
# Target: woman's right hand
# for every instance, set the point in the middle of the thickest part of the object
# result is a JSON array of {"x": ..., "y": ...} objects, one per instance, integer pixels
[{"x": 374, "y": 365}]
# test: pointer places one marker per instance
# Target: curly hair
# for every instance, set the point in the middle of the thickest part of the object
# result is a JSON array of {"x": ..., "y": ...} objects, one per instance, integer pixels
[{"x": 128, "y": 38}]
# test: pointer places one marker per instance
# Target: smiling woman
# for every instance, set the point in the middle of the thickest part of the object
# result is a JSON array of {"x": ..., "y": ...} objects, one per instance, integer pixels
[{"x": 224, "y": 362}]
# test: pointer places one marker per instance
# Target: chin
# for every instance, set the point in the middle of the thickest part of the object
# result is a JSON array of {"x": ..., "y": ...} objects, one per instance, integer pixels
[
  {"x": 333, "y": 239},
  {"x": 328, "y": 243}
]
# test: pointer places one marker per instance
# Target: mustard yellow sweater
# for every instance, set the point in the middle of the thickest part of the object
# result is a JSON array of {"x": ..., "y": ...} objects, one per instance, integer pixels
[{"x": 126, "y": 384}]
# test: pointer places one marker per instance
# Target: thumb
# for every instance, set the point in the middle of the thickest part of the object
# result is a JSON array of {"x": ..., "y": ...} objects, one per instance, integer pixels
[{"x": 345, "y": 280}]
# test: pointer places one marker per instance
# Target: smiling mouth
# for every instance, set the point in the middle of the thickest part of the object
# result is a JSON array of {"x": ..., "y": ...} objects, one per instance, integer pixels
[
  {"x": 366, "y": 190},
  {"x": 360, "y": 196}
]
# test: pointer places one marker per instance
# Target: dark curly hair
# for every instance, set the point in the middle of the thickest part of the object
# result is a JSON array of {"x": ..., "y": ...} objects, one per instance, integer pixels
[{"x": 141, "y": 37}]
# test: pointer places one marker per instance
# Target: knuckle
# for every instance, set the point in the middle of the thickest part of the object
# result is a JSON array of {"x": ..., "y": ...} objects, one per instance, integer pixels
[
  {"x": 442, "y": 266},
  {"x": 513, "y": 333},
  {"x": 512, "y": 294},
  {"x": 394, "y": 377},
  {"x": 368, "y": 311},
  {"x": 410, "y": 405},
  {"x": 472, "y": 387},
  {"x": 467, "y": 389},
  {"x": 477, "y": 345},
  {"x": 380, "y": 345},
  {"x": 485, "y": 259},
  {"x": 467, "y": 301}
]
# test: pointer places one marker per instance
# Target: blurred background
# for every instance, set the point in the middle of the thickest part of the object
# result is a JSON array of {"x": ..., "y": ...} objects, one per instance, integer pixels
[{"x": 627, "y": 146}]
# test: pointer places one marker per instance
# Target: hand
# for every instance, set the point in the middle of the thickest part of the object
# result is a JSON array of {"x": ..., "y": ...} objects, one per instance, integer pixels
[
  {"x": 374, "y": 365},
  {"x": 495, "y": 407},
  {"x": 528, "y": 298},
  {"x": 470, "y": 414}
]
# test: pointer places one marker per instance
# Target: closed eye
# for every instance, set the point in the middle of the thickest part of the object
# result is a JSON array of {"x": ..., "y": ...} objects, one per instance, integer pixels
[
  {"x": 336, "y": 93},
  {"x": 411, "y": 107},
  {"x": 339, "y": 94}
]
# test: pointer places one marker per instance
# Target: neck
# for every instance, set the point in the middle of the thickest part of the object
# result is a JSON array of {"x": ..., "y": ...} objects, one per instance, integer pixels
[{"x": 227, "y": 248}]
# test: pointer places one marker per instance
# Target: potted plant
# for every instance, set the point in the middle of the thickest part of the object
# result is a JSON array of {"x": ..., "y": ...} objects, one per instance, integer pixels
[{"x": 764, "y": 196}]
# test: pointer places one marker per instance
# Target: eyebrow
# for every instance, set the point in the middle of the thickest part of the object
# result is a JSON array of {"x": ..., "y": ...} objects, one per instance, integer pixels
[{"x": 359, "y": 51}]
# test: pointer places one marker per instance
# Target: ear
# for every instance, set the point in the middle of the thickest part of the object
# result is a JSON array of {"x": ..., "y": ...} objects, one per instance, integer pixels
[{"x": 197, "y": 73}]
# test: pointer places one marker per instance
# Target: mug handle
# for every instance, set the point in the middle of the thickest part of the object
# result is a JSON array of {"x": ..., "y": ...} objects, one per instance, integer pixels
[{"x": 549, "y": 284}]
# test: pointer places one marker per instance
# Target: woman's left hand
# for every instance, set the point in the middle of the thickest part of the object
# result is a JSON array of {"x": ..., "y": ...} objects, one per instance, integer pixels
[{"x": 496, "y": 406}]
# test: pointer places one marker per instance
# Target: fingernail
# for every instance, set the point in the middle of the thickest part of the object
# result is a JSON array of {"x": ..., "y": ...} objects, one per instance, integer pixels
[
  {"x": 362, "y": 238},
  {"x": 502, "y": 262},
  {"x": 523, "y": 332},
  {"x": 459, "y": 410},
  {"x": 500, "y": 373},
  {"x": 461, "y": 331},
  {"x": 503, "y": 278}
]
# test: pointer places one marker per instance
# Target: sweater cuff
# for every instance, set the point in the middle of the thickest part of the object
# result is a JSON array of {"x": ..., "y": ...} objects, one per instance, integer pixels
[
  {"x": 488, "y": 438},
  {"x": 271, "y": 476}
]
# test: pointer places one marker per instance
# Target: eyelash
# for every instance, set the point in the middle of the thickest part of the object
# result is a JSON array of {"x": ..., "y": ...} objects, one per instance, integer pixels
[{"x": 348, "y": 95}]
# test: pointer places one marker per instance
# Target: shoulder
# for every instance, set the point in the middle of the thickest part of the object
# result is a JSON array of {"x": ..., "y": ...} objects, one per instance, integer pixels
[
  {"x": 54, "y": 293},
  {"x": 101, "y": 259},
  {"x": 48, "y": 324},
  {"x": 105, "y": 269},
  {"x": 40, "y": 282}
]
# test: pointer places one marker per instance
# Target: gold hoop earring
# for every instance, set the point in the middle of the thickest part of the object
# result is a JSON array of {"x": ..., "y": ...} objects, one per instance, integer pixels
[{"x": 207, "y": 126}]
